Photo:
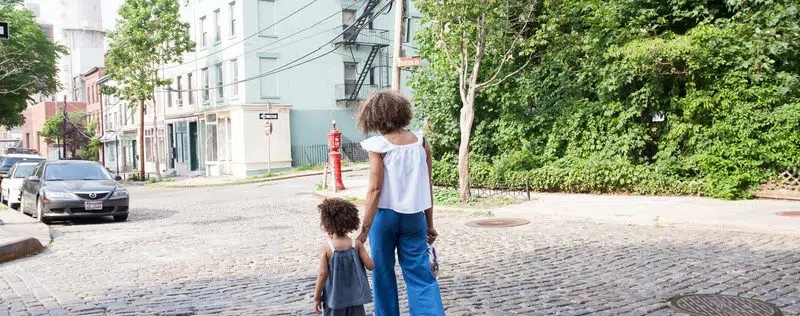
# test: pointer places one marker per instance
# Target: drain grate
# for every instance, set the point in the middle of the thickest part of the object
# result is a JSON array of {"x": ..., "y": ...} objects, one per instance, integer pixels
[
  {"x": 789, "y": 214},
  {"x": 499, "y": 222},
  {"x": 718, "y": 304}
]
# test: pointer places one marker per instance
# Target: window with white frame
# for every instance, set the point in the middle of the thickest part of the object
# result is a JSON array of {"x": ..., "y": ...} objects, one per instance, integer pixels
[
  {"x": 189, "y": 85},
  {"x": 268, "y": 83},
  {"x": 180, "y": 90},
  {"x": 266, "y": 17},
  {"x": 220, "y": 82},
  {"x": 234, "y": 69},
  {"x": 203, "y": 32},
  {"x": 169, "y": 95},
  {"x": 204, "y": 77},
  {"x": 232, "y": 14},
  {"x": 217, "y": 27}
]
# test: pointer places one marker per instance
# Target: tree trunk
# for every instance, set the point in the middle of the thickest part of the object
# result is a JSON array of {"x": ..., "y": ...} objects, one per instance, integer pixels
[
  {"x": 141, "y": 139},
  {"x": 465, "y": 125},
  {"x": 157, "y": 153}
]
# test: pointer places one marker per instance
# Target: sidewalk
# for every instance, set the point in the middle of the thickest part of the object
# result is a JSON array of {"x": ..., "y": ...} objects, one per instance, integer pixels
[
  {"x": 20, "y": 235},
  {"x": 229, "y": 180},
  {"x": 658, "y": 211}
]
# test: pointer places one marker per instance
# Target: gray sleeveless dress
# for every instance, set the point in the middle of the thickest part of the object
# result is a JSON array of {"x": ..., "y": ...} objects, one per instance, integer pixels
[{"x": 347, "y": 288}]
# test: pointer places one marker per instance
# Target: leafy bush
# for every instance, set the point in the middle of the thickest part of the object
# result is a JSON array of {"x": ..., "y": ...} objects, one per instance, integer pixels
[{"x": 640, "y": 97}]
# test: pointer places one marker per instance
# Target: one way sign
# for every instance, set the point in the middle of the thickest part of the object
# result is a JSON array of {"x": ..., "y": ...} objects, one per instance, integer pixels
[
  {"x": 267, "y": 116},
  {"x": 3, "y": 30}
]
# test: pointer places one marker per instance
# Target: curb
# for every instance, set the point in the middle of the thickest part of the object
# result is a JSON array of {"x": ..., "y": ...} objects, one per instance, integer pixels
[
  {"x": 360, "y": 202},
  {"x": 252, "y": 181},
  {"x": 19, "y": 248}
]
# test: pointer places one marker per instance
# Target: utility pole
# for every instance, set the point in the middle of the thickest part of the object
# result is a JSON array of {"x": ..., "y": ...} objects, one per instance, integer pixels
[
  {"x": 398, "y": 43},
  {"x": 64, "y": 131}
]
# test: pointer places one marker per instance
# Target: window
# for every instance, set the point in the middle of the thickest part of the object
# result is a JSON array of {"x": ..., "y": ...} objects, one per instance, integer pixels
[
  {"x": 234, "y": 67},
  {"x": 232, "y": 12},
  {"x": 407, "y": 37},
  {"x": 350, "y": 77},
  {"x": 211, "y": 136},
  {"x": 269, "y": 83},
  {"x": 266, "y": 17},
  {"x": 169, "y": 96},
  {"x": 180, "y": 91},
  {"x": 204, "y": 77},
  {"x": 189, "y": 87},
  {"x": 217, "y": 27},
  {"x": 203, "y": 33},
  {"x": 220, "y": 82}
]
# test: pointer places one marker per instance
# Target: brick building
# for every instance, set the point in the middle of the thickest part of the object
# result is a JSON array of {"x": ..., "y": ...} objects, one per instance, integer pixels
[{"x": 35, "y": 116}]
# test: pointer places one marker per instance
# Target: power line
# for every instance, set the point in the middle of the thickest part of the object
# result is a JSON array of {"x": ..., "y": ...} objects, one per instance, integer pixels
[
  {"x": 250, "y": 36},
  {"x": 287, "y": 65},
  {"x": 279, "y": 40}
]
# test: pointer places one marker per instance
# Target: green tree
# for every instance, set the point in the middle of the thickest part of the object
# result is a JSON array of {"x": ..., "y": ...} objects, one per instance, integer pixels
[
  {"x": 78, "y": 136},
  {"x": 29, "y": 62},
  {"x": 148, "y": 33},
  {"x": 641, "y": 96},
  {"x": 479, "y": 40}
]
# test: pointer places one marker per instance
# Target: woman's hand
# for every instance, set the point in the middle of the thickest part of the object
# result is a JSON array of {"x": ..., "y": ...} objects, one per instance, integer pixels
[
  {"x": 317, "y": 305},
  {"x": 362, "y": 237},
  {"x": 432, "y": 234}
]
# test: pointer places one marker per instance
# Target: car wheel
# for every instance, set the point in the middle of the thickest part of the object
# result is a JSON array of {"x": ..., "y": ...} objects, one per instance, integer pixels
[
  {"x": 40, "y": 212},
  {"x": 120, "y": 218}
]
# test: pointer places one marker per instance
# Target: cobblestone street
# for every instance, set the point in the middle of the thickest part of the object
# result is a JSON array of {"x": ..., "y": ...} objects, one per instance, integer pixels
[{"x": 252, "y": 249}]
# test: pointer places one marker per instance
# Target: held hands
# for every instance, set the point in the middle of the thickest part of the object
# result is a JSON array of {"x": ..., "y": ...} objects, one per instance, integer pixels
[{"x": 362, "y": 237}]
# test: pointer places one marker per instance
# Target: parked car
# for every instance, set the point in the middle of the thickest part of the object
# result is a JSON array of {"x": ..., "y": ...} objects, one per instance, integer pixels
[
  {"x": 9, "y": 160},
  {"x": 66, "y": 189},
  {"x": 10, "y": 188}
]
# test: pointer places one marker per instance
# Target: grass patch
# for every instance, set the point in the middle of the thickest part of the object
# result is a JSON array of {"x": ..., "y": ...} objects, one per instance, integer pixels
[{"x": 450, "y": 197}]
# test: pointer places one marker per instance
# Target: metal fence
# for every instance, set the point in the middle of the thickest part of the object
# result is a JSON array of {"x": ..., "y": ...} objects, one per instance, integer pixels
[{"x": 318, "y": 154}]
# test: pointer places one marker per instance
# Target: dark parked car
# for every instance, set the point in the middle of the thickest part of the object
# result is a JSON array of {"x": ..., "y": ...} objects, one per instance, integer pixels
[
  {"x": 8, "y": 161},
  {"x": 73, "y": 188}
]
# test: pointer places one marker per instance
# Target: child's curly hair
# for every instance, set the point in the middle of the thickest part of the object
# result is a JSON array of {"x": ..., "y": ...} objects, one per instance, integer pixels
[
  {"x": 338, "y": 216},
  {"x": 384, "y": 112}
]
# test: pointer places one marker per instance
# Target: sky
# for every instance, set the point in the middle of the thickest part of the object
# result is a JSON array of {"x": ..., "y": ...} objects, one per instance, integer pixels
[{"x": 110, "y": 13}]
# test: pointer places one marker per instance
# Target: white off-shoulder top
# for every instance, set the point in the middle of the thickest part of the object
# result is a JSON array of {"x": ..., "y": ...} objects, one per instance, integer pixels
[{"x": 406, "y": 184}]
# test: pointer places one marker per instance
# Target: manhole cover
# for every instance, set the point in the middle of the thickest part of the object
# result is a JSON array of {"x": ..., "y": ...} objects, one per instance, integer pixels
[
  {"x": 718, "y": 304},
  {"x": 499, "y": 222},
  {"x": 790, "y": 214}
]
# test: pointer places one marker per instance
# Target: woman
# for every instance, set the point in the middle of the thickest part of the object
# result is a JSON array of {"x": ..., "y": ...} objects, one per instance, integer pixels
[{"x": 399, "y": 209}]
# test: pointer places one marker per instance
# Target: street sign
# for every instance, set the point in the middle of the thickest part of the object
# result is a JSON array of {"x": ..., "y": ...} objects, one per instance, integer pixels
[
  {"x": 267, "y": 128},
  {"x": 414, "y": 61},
  {"x": 267, "y": 116},
  {"x": 3, "y": 30}
]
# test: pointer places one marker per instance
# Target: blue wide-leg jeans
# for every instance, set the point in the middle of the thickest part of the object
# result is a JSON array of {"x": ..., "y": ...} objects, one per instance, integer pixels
[{"x": 408, "y": 234}]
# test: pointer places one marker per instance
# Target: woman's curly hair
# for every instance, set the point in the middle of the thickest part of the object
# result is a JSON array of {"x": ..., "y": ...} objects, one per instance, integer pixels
[
  {"x": 384, "y": 112},
  {"x": 338, "y": 216}
]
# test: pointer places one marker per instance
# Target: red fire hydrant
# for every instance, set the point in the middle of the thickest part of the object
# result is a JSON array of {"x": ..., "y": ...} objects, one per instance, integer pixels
[{"x": 334, "y": 142}]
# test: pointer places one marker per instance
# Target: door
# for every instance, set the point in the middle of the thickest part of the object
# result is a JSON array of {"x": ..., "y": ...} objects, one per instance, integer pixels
[
  {"x": 171, "y": 144},
  {"x": 193, "y": 146},
  {"x": 30, "y": 189}
]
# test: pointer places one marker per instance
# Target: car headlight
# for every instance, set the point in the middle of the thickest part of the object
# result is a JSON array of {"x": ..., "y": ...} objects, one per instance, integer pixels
[
  {"x": 59, "y": 195},
  {"x": 120, "y": 194}
]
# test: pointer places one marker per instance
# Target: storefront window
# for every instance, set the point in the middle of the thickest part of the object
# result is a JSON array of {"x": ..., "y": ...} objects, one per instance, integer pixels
[{"x": 211, "y": 147}]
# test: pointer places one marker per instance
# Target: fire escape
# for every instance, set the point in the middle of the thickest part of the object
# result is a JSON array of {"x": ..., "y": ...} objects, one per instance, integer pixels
[{"x": 356, "y": 36}]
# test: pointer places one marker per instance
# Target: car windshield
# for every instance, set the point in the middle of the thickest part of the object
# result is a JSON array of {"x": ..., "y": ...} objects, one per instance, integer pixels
[
  {"x": 23, "y": 171},
  {"x": 78, "y": 171},
  {"x": 8, "y": 161}
]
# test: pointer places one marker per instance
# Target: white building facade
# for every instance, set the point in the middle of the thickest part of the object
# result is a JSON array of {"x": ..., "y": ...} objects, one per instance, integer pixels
[
  {"x": 289, "y": 57},
  {"x": 77, "y": 24}
]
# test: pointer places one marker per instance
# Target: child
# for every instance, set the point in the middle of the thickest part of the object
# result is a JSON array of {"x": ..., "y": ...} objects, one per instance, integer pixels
[{"x": 342, "y": 286}]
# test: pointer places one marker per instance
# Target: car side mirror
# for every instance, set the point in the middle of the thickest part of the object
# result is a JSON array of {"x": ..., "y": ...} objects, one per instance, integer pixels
[
  {"x": 117, "y": 178},
  {"x": 33, "y": 179}
]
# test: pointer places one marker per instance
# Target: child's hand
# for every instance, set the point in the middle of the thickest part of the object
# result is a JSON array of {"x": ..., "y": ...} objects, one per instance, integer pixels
[{"x": 317, "y": 305}]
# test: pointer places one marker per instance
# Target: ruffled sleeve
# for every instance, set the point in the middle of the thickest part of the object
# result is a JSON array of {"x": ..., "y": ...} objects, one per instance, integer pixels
[{"x": 377, "y": 144}]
